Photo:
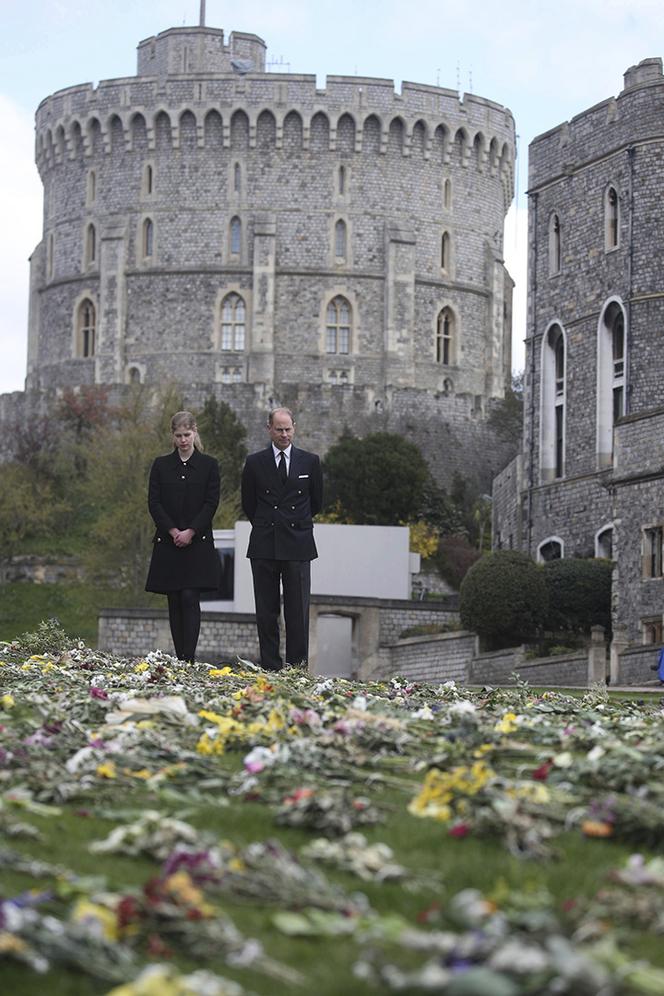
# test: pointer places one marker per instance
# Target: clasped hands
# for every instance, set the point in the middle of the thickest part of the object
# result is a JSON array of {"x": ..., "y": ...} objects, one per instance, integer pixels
[{"x": 182, "y": 537}]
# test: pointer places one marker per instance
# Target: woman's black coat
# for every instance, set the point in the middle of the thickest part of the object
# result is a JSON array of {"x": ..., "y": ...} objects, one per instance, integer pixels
[{"x": 184, "y": 495}]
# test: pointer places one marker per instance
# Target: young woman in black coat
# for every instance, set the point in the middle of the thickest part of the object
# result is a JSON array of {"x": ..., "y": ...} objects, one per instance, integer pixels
[{"x": 183, "y": 495}]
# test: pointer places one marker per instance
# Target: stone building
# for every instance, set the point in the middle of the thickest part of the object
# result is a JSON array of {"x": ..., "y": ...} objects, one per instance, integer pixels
[
  {"x": 590, "y": 479},
  {"x": 247, "y": 234}
]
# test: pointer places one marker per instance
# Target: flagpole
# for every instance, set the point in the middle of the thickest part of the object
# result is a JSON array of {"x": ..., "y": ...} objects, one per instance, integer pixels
[{"x": 202, "y": 17}]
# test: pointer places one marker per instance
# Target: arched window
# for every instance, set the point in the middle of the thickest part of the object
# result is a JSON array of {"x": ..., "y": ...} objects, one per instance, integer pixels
[
  {"x": 447, "y": 193},
  {"x": 148, "y": 180},
  {"x": 444, "y": 337},
  {"x": 233, "y": 317},
  {"x": 86, "y": 324},
  {"x": 235, "y": 236},
  {"x": 604, "y": 543},
  {"x": 341, "y": 180},
  {"x": 553, "y": 404},
  {"x": 340, "y": 240},
  {"x": 148, "y": 239},
  {"x": 550, "y": 549},
  {"x": 91, "y": 190},
  {"x": 611, "y": 381},
  {"x": 237, "y": 178},
  {"x": 611, "y": 218},
  {"x": 134, "y": 375},
  {"x": 554, "y": 245},
  {"x": 445, "y": 251},
  {"x": 90, "y": 245},
  {"x": 338, "y": 326}
]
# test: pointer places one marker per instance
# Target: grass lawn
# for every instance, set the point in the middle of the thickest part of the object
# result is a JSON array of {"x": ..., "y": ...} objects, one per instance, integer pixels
[
  {"x": 536, "y": 800},
  {"x": 23, "y": 605}
]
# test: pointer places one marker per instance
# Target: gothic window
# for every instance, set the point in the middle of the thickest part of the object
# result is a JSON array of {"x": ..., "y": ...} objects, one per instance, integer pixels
[
  {"x": 134, "y": 375},
  {"x": 338, "y": 326},
  {"x": 235, "y": 236},
  {"x": 445, "y": 251},
  {"x": 550, "y": 549},
  {"x": 237, "y": 178},
  {"x": 554, "y": 245},
  {"x": 147, "y": 247},
  {"x": 611, "y": 218},
  {"x": 611, "y": 378},
  {"x": 447, "y": 193},
  {"x": 86, "y": 323},
  {"x": 552, "y": 449},
  {"x": 90, "y": 245},
  {"x": 604, "y": 543},
  {"x": 341, "y": 178},
  {"x": 340, "y": 240},
  {"x": 444, "y": 337},
  {"x": 233, "y": 318},
  {"x": 652, "y": 551}
]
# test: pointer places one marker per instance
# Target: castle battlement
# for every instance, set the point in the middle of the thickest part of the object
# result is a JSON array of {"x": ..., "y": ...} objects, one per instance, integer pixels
[{"x": 605, "y": 129}]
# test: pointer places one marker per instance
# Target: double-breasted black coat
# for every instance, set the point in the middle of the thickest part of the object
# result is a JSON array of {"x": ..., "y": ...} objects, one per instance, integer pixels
[
  {"x": 281, "y": 515},
  {"x": 184, "y": 495}
]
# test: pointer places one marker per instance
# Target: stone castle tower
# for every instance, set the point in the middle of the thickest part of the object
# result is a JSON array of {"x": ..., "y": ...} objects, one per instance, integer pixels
[
  {"x": 246, "y": 234},
  {"x": 589, "y": 480}
]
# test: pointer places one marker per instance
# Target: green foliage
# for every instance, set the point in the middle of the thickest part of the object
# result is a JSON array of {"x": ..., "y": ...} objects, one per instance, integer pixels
[
  {"x": 223, "y": 436},
  {"x": 49, "y": 637},
  {"x": 29, "y": 506},
  {"x": 579, "y": 594},
  {"x": 377, "y": 480},
  {"x": 504, "y": 598},
  {"x": 507, "y": 415},
  {"x": 454, "y": 558}
]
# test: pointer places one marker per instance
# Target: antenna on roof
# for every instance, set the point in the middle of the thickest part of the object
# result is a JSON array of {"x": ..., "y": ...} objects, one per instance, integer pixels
[{"x": 201, "y": 20}]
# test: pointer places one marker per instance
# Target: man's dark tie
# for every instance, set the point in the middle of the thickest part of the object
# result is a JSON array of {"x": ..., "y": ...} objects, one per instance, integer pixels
[{"x": 283, "y": 472}]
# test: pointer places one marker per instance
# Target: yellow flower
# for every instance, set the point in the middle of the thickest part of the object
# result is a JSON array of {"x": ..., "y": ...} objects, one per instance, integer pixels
[
  {"x": 531, "y": 792},
  {"x": 48, "y": 668},
  {"x": 98, "y": 917},
  {"x": 146, "y": 724},
  {"x": 443, "y": 792},
  {"x": 142, "y": 773},
  {"x": 237, "y": 865},
  {"x": 7, "y": 702},
  {"x": 11, "y": 944},
  {"x": 107, "y": 770},
  {"x": 141, "y": 666},
  {"x": 507, "y": 724},
  {"x": 219, "y": 672}
]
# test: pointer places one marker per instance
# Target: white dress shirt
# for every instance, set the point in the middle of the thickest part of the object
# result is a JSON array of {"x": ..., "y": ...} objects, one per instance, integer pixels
[{"x": 277, "y": 455}]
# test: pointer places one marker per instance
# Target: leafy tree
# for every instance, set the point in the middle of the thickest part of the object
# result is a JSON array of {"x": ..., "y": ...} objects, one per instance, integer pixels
[
  {"x": 377, "y": 480},
  {"x": 29, "y": 507},
  {"x": 504, "y": 598},
  {"x": 579, "y": 594},
  {"x": 224, "y": 437},
  {"x": 454, "y": 558},
  {"x": 507, "y": 415}
]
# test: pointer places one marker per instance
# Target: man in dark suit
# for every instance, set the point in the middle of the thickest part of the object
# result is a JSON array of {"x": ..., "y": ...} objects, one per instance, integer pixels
[{"x": 282, "y": 490}]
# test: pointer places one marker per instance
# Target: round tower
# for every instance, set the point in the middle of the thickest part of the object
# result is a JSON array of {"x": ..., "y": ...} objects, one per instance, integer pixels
[{"x": 210, "y": 223}]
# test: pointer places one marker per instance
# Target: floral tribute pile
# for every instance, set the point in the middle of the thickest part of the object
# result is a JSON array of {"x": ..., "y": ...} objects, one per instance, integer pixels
[{"x": 144, "y": 747}]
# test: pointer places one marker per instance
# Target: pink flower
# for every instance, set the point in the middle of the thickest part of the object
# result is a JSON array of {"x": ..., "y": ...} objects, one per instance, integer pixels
[
  {"x": 459, "y": 830},
  {"x": 97, "y": 693}
]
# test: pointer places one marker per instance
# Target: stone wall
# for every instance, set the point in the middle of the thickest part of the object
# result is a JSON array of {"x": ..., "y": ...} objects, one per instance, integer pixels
[
  {"x": 135, "y": 632},
  {"x": 444, "y": 657},
  {"x": 499, "y": 669}
]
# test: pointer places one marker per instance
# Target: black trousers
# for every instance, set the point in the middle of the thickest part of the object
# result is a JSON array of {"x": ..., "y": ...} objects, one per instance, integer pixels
[
  {"x": 184, "y": 616},
  {"x": 295, "y": 577}
]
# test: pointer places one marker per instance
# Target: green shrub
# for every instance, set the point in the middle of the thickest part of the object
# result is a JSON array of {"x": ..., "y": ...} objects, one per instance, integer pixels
[
  {"x": 579, "y": 594},
  {"x": 504, "y": 598}
]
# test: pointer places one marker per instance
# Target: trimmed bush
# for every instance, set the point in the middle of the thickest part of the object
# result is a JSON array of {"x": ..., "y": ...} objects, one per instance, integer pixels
[
  {"x": 504, "y": 598},
  {"x": 454, "y": 558},
  {"x": 579, "y": 594}
]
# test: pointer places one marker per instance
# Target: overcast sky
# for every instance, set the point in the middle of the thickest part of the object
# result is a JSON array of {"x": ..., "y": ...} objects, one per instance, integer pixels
[{"x": 546, "y": 61}]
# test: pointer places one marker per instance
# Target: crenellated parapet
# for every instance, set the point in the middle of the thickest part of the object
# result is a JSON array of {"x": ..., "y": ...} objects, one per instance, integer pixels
[
  {"x": 432, "y": 122},
  {"x": 610, "y": 127}
]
